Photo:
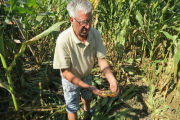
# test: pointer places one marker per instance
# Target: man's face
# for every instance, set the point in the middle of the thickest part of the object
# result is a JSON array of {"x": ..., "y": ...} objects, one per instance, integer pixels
[{"x": 81, "y": 24}]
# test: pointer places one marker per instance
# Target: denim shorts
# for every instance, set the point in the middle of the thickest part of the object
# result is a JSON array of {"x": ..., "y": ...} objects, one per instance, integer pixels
[{"x": 72, "y": 93}]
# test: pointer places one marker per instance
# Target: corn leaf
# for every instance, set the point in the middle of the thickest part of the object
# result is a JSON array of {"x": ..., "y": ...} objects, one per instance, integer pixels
[
  {"x": 169, "y": 36},
  {"x": 159, "y": 110},
  {"x": 1, "y": 42},
  {"x": 139, "y": 18},
  {"x": 127, "y": 92},
  {"x": 104, "y": 101},
  {"x": 33, "y": 40},
  {"x": 176, "y": 59}
]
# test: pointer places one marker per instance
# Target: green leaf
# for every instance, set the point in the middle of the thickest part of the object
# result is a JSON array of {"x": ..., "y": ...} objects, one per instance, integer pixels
[
  {"x": 33, "y": 40},
  {"x": 159, "y": 110},
  {"x": 155, "y": 6},
  {"x": 169, "y": 36},
  {"x": 127, "y": 92},
  {"x": 139, "y": 18},
  {"x": 23, "y": 10},
  {"x": 104, "y": 101},
  {"x": 32, "y": 3},
  {"x": 178, "y": 87},
  {"x": 98, "y": 81},
  {"x": 1, "y": 42},
  {"x": 175, "y": 28},
  {"x": 13, "y": 5},
  {"x": 152, "y": 87},
  {"x": 177, "y": 55},
  {"x": 129, "y": 96},
  {"x": 123, "y": 31},
  {"x": 42, "y": 15},
  {"x": 3, "y": 62},
  {"x": 176, "y": 58},
  {"x": 110, "y": 106}
]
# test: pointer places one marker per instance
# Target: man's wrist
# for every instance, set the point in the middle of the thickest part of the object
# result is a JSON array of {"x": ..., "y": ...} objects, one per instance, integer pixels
[{"x": 89, "y": 88}]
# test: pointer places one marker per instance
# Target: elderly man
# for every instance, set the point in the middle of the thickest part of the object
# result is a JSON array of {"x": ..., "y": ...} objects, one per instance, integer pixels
[{"x": 75, "y": 52}]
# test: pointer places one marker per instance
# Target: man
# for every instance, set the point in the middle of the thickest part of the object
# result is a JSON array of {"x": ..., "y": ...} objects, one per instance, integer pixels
[{"x": 76, "y": 49}]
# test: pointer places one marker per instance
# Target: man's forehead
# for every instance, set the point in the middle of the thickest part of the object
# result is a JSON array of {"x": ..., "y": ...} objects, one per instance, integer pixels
[
  {"x": 88, "y": 19},
  {"x": 83, "y": 14},
  {"x": 84, "y": 17}
]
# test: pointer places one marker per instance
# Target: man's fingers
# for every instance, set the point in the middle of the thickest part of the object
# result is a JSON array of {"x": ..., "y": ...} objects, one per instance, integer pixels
[{"x": 102, "y": 89}]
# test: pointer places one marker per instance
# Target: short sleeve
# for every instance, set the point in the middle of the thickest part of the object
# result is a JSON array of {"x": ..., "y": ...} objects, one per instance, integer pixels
[{"x": 100, "y": 48}]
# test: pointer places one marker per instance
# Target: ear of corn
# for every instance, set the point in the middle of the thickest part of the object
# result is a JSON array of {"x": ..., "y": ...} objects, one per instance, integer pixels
[{"x": 108, "y": 93}]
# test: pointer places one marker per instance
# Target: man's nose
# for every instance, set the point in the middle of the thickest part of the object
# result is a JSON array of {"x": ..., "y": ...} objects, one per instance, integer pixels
[{"x": 88, "y": 25}]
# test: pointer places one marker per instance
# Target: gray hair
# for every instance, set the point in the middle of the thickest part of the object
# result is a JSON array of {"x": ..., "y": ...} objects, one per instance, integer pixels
[{"x": 78, "y": 5}]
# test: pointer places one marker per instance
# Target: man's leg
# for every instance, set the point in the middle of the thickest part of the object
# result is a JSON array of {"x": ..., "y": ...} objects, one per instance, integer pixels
[
  {"x": 71, "y": 96},
  {"x": 88, "y": 112},
  {"x": 85, "y": 94},
  {"x": 86, "y": 107},
  {"x": 86, "y": 104},
  {"x": 72, "y": 116},
  {"x": 86, "y": 99}
]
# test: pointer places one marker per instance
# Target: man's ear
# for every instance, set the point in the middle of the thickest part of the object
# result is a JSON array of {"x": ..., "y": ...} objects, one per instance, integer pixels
[{"x": 71, "y": 19}]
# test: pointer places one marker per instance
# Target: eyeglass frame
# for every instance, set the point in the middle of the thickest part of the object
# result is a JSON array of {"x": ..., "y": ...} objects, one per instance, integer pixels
[{"x": 85, "y": 22}]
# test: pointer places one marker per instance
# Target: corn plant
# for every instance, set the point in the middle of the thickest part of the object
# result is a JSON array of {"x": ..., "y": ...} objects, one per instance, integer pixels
[
  {"x": 141, "y": 29},
  {"x": 141, "y": 37},
  {"x": 8, "y": 69}
]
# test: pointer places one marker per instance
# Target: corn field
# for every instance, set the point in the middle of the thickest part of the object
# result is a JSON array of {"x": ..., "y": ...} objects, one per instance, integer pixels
[{"x": 142, "y": 38}]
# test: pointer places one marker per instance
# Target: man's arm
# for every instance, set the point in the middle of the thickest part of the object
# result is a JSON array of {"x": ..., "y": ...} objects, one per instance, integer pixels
[
  {"x": 68, "y": 75},
  {"x": 105, "y": 68}
]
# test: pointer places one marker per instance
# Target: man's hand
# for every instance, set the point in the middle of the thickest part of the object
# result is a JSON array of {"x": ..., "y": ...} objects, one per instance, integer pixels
[
  {"x": 114, "y": 88},
  {"x": 105, "y": 68},
  {"x": 95, "y": 91}
]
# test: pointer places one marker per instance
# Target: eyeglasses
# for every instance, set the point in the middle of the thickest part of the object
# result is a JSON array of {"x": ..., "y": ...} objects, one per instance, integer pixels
[{"x": 84, "y": 22}]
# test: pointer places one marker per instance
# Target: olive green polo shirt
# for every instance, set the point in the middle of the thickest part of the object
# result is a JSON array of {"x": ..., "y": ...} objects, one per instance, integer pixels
[{"x": 71, "y": 53}]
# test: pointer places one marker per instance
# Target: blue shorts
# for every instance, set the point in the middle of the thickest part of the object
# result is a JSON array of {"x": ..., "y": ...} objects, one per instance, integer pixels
[{"x": 72, "y": 93}]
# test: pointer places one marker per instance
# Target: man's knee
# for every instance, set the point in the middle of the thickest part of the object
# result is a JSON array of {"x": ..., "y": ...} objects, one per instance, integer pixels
[{"x": 72, "y": 108}]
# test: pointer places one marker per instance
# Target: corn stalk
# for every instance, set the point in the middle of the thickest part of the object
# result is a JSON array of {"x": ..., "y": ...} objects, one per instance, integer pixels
[
  {"x": 8, "y": 69},
  {"x": 94, "y": 4}
]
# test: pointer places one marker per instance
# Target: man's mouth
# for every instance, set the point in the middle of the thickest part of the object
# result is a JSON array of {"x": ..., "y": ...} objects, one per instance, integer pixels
[{"x": 84, "y": 31}]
